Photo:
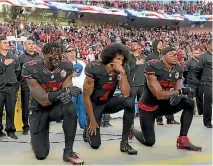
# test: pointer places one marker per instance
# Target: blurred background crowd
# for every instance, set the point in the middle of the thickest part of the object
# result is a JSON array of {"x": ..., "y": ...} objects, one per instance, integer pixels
[
  {"x": 179, "y": 7},
  {"x": 90, "y": 40}
]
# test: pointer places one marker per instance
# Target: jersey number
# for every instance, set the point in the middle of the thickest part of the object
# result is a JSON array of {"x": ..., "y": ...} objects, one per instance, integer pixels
[
  {"x": 167, "y": 85},
  {"x": 108, "y": 88}
]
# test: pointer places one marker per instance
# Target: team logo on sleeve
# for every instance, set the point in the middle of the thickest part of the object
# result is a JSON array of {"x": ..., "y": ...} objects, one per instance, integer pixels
[
  {"x": 177, "y": 75},
  {"x": 63, "y": 73}
]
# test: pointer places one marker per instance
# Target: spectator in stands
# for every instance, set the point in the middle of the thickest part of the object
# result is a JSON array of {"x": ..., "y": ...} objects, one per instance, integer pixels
[{"x": 171, "y": 7}]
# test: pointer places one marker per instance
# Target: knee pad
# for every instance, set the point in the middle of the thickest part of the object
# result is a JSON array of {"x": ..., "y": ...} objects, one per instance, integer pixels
[
  {"x": 70, "y": 109},
  {"x": 129, "y": 103}
]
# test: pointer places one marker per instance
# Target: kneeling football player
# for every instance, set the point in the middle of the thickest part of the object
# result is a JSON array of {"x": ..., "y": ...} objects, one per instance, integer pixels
[
  {"x": 158, "y": 99},
  {"x": 50, "y": 83},
  {"x": 102, "y": 78}
]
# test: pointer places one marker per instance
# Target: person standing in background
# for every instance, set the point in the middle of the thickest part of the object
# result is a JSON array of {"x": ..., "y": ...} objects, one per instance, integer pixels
[
  {"x": 78, "y": 80},
  {"x": 157, "y": 46},
  {"x": 9, "y": 71},
  {"x": 204, "y": 73},
  {"x": 192, "y": 80},
  {"x": 136, "y": 68},
  {"x": 28, "y": 55}
]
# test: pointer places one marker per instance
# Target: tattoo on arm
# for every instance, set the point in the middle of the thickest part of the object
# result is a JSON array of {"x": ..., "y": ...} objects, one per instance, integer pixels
[
  {"x": 178, "y": 84},
  {"x": 38, "y": 92},
  {"x": 87, "y": 92},
  {"x": 88, "y": 86}
]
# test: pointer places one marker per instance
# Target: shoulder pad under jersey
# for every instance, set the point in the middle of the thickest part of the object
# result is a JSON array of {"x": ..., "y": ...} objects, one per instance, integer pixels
[
  {"x": 30, "y": 69},
  {"x": 92, "y": 68},
  {"x": 67, "y": 66},
  {"x": 153, "y": 65}
]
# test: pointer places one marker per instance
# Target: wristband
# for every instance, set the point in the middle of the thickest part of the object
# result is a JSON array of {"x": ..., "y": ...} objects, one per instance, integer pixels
[{"x": 53, "y": 96}]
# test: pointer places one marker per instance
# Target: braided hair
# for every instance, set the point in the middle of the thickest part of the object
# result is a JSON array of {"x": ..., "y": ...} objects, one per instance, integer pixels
[{"x": 52, "y": 47}]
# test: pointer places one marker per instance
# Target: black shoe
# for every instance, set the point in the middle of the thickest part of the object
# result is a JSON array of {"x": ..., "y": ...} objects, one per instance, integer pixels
[
  {"x": 208, "y": 126},
  {"x": 2, "y": 134},
  {"x": 172, "y": 122},
  {"x": 73, "y": 158},
  {"x": 200, "y": 113},
  {"x": 25, "y": 131},
  {"x": 125, "y": 147},
  {"x": 12, "y": 135},
  {"x": 159, "y": 123},
  {"x": 85, "y": 135},
  {"x": 183, "y": 142}
]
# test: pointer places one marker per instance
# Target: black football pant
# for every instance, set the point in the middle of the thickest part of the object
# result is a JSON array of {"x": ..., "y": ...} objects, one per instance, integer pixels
[
  {"x": 8, "y": 99},
  {"x": 136, "y": 92},
  {"x": 147, "y": 119},
  {"x": 207, "y": 107},
  {"x": 198, "y": 96},
  {"x": 115, "y": 104},
  {"x": 39, "y": 127},
  {"x": 25, "y": 96}
]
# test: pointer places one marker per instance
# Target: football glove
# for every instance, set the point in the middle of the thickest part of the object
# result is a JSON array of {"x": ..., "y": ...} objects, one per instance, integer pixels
[{"x": 175, "y": 99}]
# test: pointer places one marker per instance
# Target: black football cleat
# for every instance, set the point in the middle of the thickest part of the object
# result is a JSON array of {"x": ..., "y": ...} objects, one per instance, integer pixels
[
  {"x": 73, "y": 158},
  {"x": 125, "y": 147},
  {"x": 184, "y": 143}
]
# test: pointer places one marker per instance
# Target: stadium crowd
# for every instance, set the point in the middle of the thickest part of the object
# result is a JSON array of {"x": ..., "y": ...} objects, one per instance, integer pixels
[
  {"x": 180, "y": 7},
  {"x": 90, "y": 40}
]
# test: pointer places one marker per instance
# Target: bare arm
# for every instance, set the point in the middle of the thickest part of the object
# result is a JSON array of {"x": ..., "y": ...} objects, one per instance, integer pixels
[
  {"x": 38, "y": 92},
  {"x": 88, "y": 88},
  {"x": 178, "y": 84},
  {"x": 156, "y": 88},
  {"x": 124, "y": 84},
  {"x": 68, "y": 81}
]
